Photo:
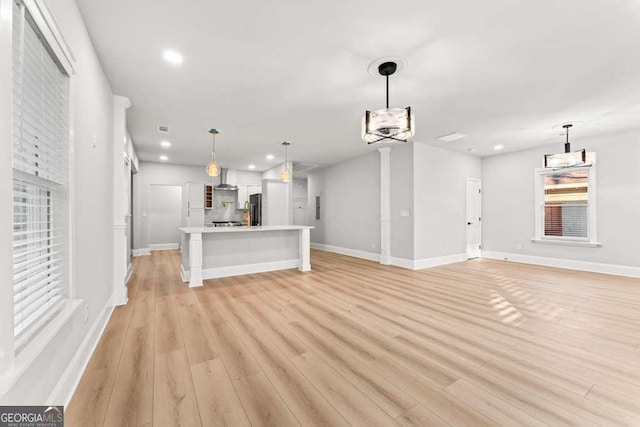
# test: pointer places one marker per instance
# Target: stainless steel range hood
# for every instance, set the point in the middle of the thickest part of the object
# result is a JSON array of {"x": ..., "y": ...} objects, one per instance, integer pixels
[{"x": 223, "y": 182}]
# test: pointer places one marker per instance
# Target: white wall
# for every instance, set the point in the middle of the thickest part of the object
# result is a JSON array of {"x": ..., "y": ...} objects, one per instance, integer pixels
[
  {"x": 508, "y": 202},
  {"x": 440, "y": 187},
  {"x": 299, "y": 188},
  {"x": 350, "y": 204},
  {"x": 92, "y": 263},
  {"x": 402, "y": 194}
]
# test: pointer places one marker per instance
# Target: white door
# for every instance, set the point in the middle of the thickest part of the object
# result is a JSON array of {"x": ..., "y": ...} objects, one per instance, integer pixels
[{"x": 474, "y": 218}]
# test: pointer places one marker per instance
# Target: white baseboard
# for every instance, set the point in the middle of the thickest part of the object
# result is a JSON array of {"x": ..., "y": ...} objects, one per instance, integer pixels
[
  {"x": 129, "y": 273},
  {"x": 141, "y": 252},
  {"x": 163, "y": 246},
  {"x": 63, "y": 392},
  {"x": 185, "y": 274},
  {"x": 618, "y": 270},
  {"x": 418, "y": 264},
  {"x": 346, "y": 251},
  {"x": 403, "y": 262},
  {"x": 411, "y": 264}
]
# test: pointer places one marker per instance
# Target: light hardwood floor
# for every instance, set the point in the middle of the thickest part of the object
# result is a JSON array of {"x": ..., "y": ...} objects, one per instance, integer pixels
[{"x": 355, "y": 343}]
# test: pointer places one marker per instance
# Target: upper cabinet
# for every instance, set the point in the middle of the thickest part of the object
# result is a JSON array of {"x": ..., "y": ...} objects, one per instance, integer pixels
[{"x": 245, "y": 191}]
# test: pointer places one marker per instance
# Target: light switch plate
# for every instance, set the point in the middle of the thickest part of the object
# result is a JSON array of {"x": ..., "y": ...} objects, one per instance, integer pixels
[{"x": 405, "y": 213}]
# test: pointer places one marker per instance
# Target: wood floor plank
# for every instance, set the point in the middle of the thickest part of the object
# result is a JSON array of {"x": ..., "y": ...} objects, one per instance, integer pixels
[
  {"x": 420, "y": 416},
  {"x": 491, "y": 406},
  {"x": 198, "y": 342},
  {"x": 174, "y": 400},
  {"x": 262, "y": 403},
  {"x": 132, "y": 398},
  {"x": 168, "y": 335},
  {"x": 354, "y": 406},
  {"x": 218, "y": 402}
]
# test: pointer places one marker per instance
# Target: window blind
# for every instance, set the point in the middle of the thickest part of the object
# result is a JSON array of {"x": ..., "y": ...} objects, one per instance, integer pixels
[
  {"x": 40, "y": 179},
  {"x": 566, "y": 205}
]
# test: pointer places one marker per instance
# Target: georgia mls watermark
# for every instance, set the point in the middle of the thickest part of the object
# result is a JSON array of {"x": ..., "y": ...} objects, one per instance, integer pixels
[{"x": 31, "y": 416}]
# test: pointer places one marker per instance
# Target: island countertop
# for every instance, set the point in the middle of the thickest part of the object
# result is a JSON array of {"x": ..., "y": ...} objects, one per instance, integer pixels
[{"x": 244, "y": 228}]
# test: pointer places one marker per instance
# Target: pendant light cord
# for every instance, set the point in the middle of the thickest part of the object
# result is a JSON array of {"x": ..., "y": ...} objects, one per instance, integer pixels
[{"x": 567, "y": 146}]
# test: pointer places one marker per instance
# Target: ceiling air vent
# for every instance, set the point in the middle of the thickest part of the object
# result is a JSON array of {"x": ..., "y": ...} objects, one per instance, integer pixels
[
  {"x": 299, "y": 167},
  {"x": 451, "y": 137},
  {"x": 163, "y": 129}
]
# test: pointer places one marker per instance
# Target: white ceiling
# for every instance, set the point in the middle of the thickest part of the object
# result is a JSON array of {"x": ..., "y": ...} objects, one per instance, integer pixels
[{"x": 500, "y": 71}]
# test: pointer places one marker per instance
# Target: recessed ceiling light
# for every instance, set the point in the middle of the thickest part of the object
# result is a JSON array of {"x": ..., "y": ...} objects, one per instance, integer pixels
[
  {"x": 164, "y": 158},
  {"x": 269, "y": 156},
  {"x": 252, "y": 166},
  {"x": 498, "y": 147},
  {"x": 165, "y": 144},
  {"x": 451, "y": 137},
  {"x": 173, "y": 57}
]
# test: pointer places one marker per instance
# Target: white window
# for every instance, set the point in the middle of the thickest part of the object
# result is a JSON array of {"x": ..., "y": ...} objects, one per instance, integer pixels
[
  {"x": 40, "y": 103},
  {"x": 566, "y": 205}
]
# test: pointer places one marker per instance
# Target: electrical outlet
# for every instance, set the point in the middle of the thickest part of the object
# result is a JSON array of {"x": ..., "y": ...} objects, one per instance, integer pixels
[
  {"x": 373, "y": 245},
  {"x": 86, "y": 313},
  {"x": 519, "y": 246}
]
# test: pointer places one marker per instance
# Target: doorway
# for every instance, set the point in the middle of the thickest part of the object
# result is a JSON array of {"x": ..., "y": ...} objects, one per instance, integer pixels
[{"x": 474, "y": 218}]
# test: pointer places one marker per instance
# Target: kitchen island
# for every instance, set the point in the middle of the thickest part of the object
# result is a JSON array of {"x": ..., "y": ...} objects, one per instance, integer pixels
[{"x": 210, "y": 252}]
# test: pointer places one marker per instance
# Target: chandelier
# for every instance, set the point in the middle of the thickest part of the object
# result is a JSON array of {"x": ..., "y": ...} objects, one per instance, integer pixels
[{"x": 394, "y": 124}]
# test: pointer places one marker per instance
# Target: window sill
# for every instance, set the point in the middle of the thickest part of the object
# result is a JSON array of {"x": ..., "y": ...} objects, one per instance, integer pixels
[
  {"x": 32, "y": 350},
  {"x": 567, "y": 243}
]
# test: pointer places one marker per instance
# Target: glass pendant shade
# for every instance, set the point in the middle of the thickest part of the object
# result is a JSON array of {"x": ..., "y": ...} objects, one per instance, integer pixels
[
  {"x": 213, "y": 169},
  {"x": 396, "y": 124},
  {"x": 286, "y": 175}
]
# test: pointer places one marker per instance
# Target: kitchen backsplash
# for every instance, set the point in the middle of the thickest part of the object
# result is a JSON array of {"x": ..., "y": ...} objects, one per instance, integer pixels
[{"x": 224, "y": 207}]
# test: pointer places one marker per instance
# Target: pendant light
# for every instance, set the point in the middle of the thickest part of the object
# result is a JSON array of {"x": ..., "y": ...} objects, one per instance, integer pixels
[
  {"x": 213, "y": 169},
  {"x": 286, "y": 173},
  {"x": 568, "y": 158},
  {"x": 388, "y": 124}
]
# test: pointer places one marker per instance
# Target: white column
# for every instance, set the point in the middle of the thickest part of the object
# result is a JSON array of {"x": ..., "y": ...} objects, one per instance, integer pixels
[
  {"x": 120, "y": 106},
  {"x": 305, "y": 250},
  {"x": 385, "y": 205},
  {"x": 6, "y": 195},
  {"x": 195, "y": 260}
]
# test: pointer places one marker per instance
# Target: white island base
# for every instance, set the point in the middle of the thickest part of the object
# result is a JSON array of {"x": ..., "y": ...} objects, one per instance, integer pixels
[{"x": 211, "y": 252}]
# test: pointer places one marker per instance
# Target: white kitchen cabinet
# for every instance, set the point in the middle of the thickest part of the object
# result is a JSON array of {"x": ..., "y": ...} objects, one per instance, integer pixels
[
  {"x": 254, "y": 189},
  {"x": 193, "y": 204},
  {"x": 243, "y": 196}
]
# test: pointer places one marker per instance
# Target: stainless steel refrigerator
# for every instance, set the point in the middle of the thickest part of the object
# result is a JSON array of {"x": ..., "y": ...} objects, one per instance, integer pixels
[{"x": 255, "y": 206}]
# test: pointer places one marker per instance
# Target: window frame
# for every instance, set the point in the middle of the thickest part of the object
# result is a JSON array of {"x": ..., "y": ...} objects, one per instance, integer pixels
[{"x": 539, "y": 205}]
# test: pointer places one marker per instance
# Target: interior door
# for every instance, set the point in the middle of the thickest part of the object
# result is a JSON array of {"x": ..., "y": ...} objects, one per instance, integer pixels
[{"x": 474, "y": 218}]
